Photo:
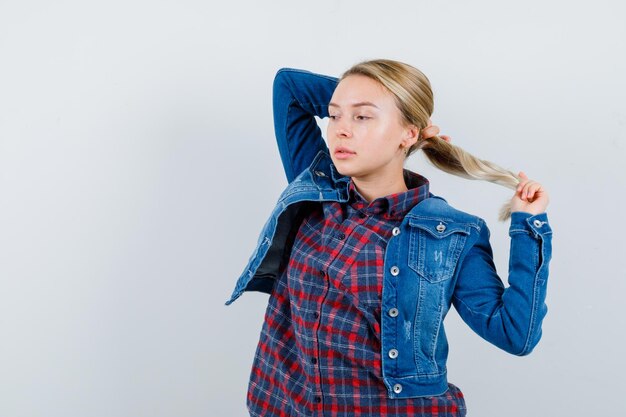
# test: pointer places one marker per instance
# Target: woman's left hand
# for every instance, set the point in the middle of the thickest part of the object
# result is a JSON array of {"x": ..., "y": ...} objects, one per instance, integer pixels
[{"x": 530, "y": 196}]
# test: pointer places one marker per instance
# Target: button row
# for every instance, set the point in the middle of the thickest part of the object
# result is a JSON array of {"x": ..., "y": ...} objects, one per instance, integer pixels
[{"x": 393, "y": 312}]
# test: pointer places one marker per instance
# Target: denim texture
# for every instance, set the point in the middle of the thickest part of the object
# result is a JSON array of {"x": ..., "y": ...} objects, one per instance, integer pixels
[{"x": 441, "y": 257}]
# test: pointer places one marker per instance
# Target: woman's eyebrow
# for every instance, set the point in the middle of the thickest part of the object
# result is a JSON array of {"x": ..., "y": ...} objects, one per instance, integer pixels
[{"x": 359, "y": 104}]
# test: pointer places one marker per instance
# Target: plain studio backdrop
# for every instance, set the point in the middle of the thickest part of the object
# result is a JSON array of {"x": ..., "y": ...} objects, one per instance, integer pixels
[{"x": 138, "y": 165}]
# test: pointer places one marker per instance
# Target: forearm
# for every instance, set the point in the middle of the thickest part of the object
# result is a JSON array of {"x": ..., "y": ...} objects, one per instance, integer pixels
[
  {"x": 299, "y": 96},
  {"x": 510, "y": 318}
]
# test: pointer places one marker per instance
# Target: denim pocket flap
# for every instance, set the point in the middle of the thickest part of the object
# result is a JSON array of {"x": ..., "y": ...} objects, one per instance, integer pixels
[
  {"x": 439, "y": 228},
  {"x": 435, "y": 246}
]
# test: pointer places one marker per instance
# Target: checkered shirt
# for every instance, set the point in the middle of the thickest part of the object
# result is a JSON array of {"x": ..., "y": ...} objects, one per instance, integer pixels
[{"x": 319, "y": 349}]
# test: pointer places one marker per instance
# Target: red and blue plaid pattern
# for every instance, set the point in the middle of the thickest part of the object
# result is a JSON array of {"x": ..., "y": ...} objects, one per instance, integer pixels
[{"x": 319, "y": 350}]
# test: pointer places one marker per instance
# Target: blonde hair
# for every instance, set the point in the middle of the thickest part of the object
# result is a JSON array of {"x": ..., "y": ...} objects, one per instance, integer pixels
[{"x": 414, "y": 97}]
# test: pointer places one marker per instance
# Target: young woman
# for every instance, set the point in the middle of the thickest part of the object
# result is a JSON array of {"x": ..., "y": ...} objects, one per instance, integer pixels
[{"x": 363, "y": 262}]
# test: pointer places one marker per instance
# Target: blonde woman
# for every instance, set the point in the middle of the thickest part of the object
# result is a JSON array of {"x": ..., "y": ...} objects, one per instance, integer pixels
[{"x": 362, "y": 262}]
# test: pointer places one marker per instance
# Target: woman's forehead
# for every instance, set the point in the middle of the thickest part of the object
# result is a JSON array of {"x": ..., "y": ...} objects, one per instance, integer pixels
[{"x": 359, "y": 91}]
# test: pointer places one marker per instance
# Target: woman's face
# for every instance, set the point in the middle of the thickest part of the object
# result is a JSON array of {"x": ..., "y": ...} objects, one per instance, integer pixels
[{"x": 366, "y": 135}]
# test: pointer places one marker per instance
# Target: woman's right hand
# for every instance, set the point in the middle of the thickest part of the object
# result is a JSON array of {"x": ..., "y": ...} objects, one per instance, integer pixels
[{"x": 432, "y": 130}]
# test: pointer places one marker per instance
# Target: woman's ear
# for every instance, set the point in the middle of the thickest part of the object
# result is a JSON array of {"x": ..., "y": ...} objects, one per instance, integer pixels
[{"x": 411, "y": 136}]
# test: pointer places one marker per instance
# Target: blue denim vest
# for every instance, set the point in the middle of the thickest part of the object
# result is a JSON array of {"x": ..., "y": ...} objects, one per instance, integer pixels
[{"x": 441, "y": 257}]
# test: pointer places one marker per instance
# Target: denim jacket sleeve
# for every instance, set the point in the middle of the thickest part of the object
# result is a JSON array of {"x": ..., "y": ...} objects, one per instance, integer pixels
[
  {"x": 510, "y": 317},
  {"x": 299, "y": 96}
]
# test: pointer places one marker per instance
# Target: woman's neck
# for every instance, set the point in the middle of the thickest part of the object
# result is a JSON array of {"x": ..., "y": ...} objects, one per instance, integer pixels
[{"x": 371, "y": 189}]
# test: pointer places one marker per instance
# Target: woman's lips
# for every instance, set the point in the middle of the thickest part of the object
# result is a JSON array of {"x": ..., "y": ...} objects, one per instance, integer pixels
[{"x": 341, "y": 153}]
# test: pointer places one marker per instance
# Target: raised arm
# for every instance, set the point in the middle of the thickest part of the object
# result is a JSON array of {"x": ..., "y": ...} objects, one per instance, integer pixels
[
  {"x": 510, "y": 318},
  {"x": 299, "y": 96}
]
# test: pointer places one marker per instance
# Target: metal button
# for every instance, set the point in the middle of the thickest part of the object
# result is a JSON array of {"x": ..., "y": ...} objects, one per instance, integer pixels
[
  {"x": 320, "y": 173},
  {"x": 441, "y": 227},
  {"x": 395, "y": 270},
  {"x": 393, "y": 312},
  {"x": 538, "y": 223},
  {"x": 397, "y": 388},
  {"x": 396, "y": 231},
  {"x": 393, "y": 353}
]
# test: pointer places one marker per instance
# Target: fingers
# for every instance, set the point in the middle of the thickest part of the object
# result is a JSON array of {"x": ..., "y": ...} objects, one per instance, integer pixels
[
  {"x": 433, "y": 130},
  {"x": 430, "y": 131},
  {"x": 527, "y": 188},
  {"x": 523, "y": 180}
]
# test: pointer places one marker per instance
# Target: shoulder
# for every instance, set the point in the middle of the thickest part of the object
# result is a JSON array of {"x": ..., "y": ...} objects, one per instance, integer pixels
[{"x": 437, "y": 208}]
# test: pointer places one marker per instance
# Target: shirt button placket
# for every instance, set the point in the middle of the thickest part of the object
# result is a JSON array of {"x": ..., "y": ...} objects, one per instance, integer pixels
[{"x": 317, "y": 399}]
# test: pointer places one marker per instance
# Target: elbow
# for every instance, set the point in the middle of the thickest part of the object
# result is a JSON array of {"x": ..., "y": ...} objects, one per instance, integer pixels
[
  {"x": 283, "y": 78},
  {"x": 525, "y": 349},
  {"x": 529, "y": 339},
  {"x": 530, "y": 346}
]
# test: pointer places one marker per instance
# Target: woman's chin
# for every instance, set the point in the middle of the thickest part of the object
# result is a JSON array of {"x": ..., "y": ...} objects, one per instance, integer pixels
[{"x": 342, "y": 167}]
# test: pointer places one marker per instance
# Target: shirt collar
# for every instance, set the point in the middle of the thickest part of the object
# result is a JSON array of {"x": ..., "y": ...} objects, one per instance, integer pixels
[{"x": 393, "y": 205}]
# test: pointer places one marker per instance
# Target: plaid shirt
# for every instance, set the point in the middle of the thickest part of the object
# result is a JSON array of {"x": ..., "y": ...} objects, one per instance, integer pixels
[{"x": 319, "y": 350}]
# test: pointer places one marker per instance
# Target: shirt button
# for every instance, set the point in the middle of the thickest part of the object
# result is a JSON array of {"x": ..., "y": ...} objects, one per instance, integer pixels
[
  {"x": 318, "y": 399},
  {"x": 393, "y": 312},
  {"x": 341, "y": 236},
  {"x": 316, "y": 315},
  {"x": 396, "y": 231},
  {"x": 322, "y": 272},
  {"x": 393, "y": 353},
  {"x": 395, "y": 270},
  {"x": 313, "y": 361},
  {"x": 397, "y": 388},
  {"x": 538, "y": 223},
  {"x": 362, "y": 215}
]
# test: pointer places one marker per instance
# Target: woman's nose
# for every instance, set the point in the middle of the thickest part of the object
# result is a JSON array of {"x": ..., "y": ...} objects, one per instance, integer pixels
[{"x": 343, "y": 130}]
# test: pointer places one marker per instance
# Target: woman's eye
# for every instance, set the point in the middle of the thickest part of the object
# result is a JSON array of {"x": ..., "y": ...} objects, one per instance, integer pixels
[
  {"x": 362, "y": 117},
  {"x": 332, "y": 116}
]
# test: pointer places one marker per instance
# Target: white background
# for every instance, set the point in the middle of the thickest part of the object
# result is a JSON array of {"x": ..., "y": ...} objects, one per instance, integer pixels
[{"x": 138, "y": 165}]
